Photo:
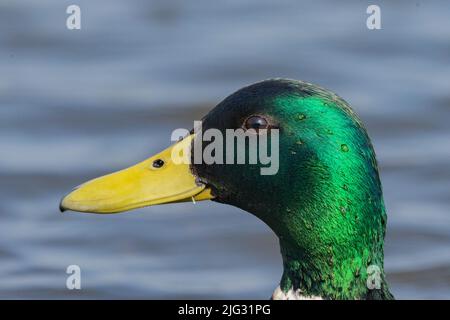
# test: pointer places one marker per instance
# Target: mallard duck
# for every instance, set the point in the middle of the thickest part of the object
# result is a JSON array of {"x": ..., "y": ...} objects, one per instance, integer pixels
[{"x": 325, "y": 202}]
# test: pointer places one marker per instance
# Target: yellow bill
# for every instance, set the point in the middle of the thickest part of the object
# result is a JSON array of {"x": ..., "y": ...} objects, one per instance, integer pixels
[{"x": 163, "y": 178}]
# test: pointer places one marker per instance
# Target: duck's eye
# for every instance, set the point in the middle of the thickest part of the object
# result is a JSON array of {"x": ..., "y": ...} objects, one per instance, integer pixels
[
  {"x": 158, "y": 163},
  {"x": 256, "y": 123}
]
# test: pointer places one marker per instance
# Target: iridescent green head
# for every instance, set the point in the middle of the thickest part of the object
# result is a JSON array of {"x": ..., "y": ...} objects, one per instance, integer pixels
[{"x": 325, "y": 203}]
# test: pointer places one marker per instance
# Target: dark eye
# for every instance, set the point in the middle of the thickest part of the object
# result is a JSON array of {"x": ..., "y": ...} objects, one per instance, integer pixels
[
  {"x": 158, "y": 163},
  {"x": 256, "y": 123}
]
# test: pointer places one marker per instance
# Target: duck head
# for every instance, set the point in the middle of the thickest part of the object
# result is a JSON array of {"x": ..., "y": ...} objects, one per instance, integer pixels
[{"x": 323, "y": 197}]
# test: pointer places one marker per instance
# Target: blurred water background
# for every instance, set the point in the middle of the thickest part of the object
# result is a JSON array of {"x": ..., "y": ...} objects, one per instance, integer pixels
[{"x": 78, "y": 104}]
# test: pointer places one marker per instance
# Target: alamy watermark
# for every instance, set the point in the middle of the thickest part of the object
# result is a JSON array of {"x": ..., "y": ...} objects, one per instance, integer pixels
[
  {"x": 263, "y": 147},
  {"x": 73, "y": 21},
  {"x": 73, "y": 281},
  {"x": 373, "y": 277},
  {"x": 373, "y": 21}
]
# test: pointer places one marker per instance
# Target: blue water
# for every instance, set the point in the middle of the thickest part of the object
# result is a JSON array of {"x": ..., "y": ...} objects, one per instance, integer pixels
[{"x": 78, "y": 104}]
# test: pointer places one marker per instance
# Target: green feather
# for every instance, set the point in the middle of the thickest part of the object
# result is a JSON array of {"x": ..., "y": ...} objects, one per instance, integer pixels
[{"x": 325, "y": 204}]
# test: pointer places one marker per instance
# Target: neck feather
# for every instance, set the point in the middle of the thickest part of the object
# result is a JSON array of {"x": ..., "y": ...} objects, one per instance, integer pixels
[
  {"x": 331, "y": 276},
  {"x": 333, "y": 223}
]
